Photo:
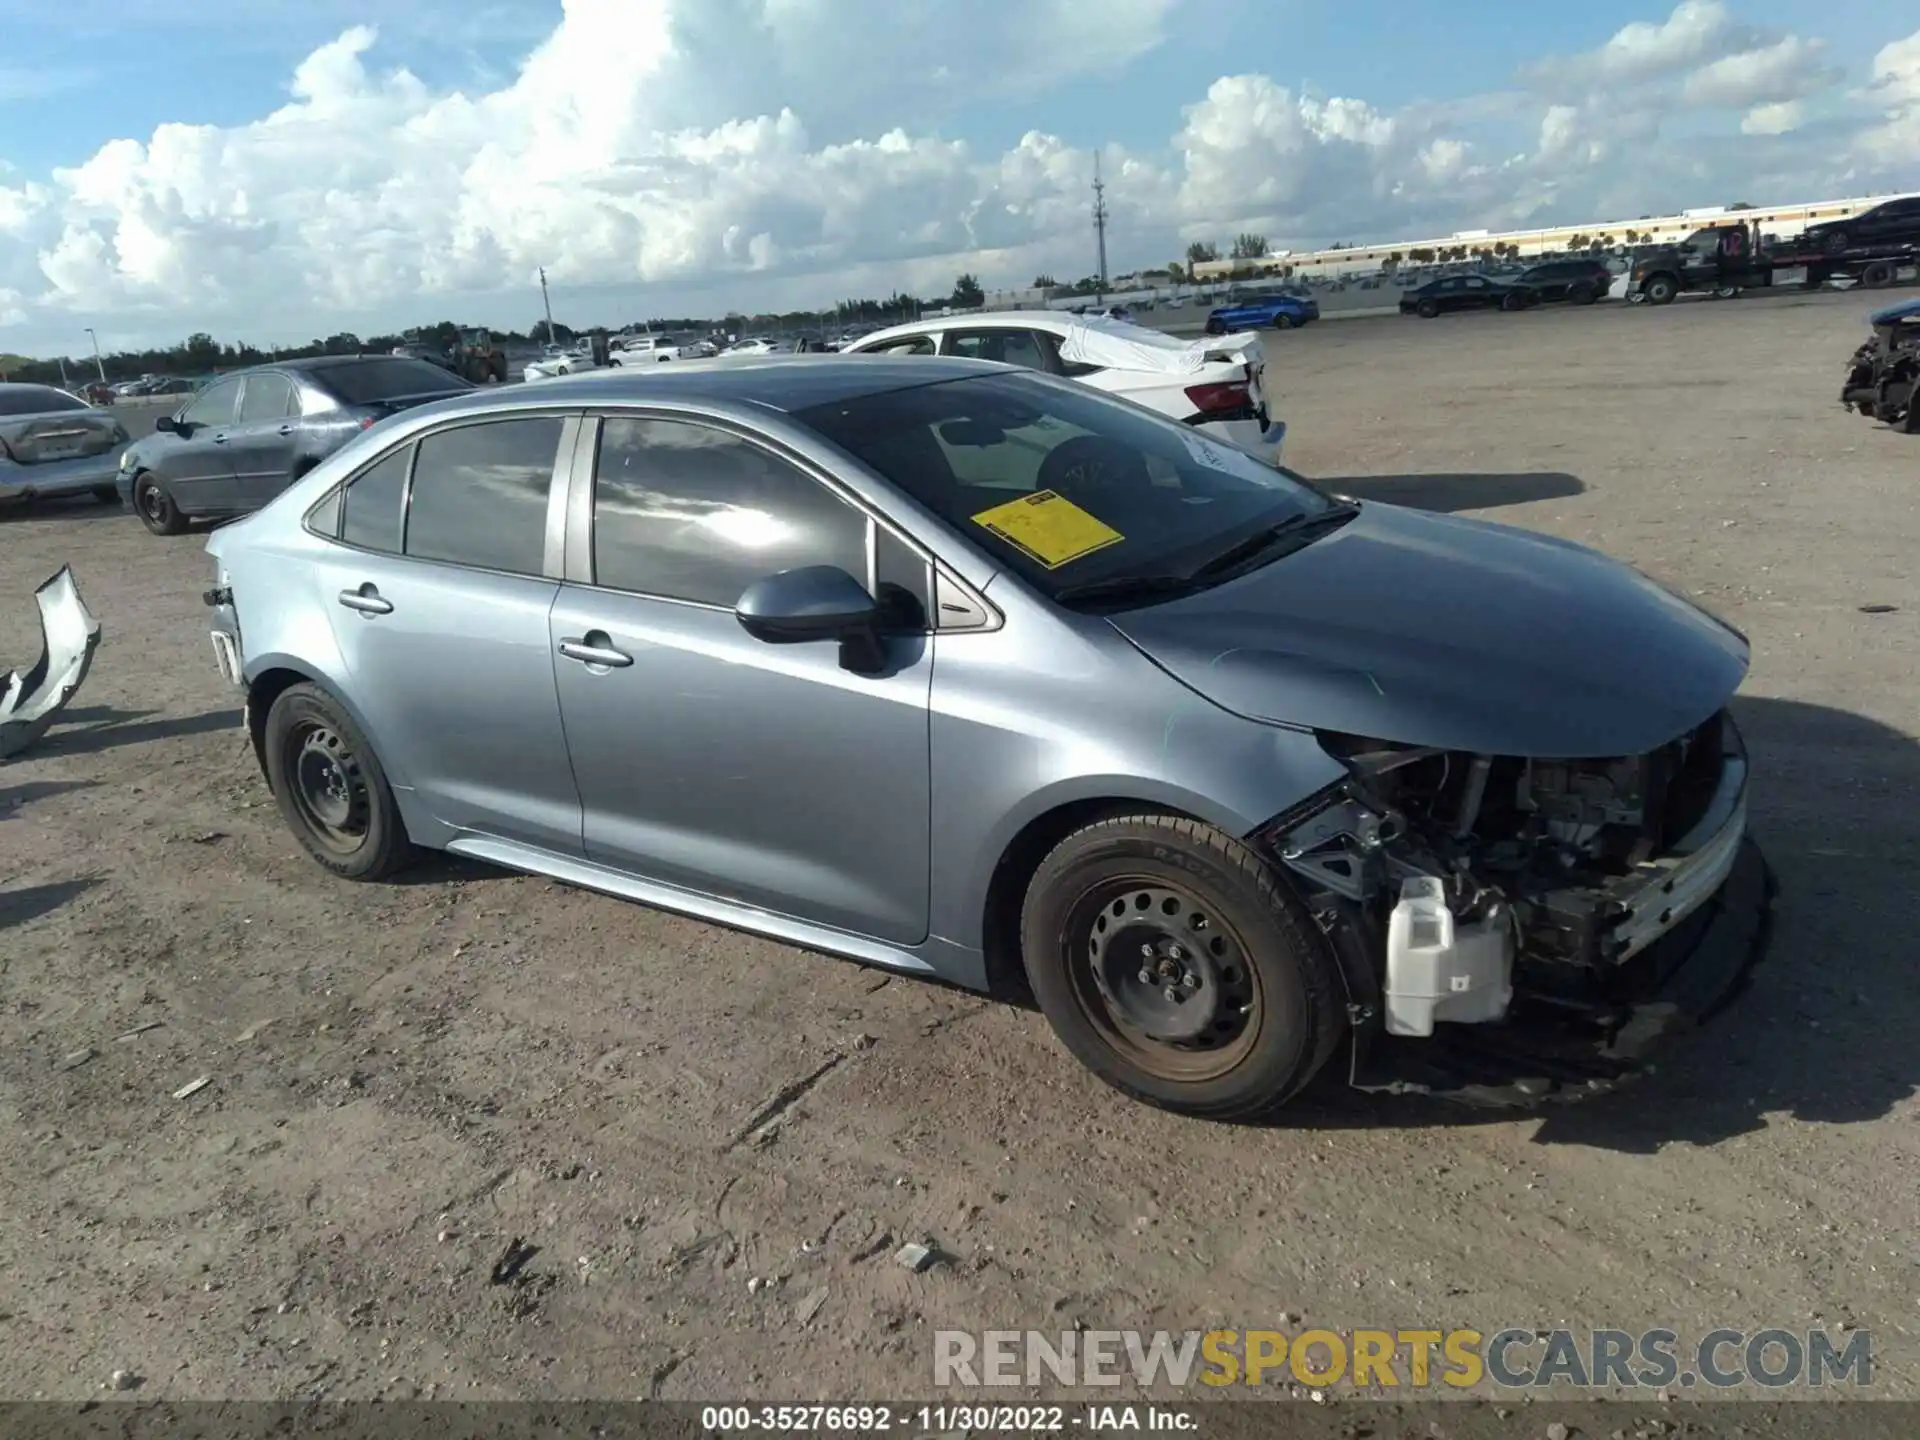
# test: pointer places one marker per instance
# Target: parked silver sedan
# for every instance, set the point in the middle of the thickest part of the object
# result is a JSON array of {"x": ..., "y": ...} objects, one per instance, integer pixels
[
  {"x": 975, "y": 673},
  {"x": 53, "y": 444}
]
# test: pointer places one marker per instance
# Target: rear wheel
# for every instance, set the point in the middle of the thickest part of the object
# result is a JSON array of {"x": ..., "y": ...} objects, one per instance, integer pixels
[
  {"x": 330, "y": 787},
  {"x": 1173, "y": 965},
  {"x": 1582, "y": 295},
  {"x": 1216, "y": 327},
  {"x": 1283, "y": 322},
  {"x": 156, "y": 508},
  {"x": 1877, "y": 276}
]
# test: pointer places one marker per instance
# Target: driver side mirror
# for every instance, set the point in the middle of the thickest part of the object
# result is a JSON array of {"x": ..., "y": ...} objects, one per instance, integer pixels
[
  {"x": 169, "y": 425},
  {"x": 815, "y": 602}
]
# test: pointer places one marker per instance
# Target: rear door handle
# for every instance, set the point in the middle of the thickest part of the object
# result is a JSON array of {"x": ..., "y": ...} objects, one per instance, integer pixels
[
  {"x": 595, "y": 648},
  {"x": 367, "y": 600},
  {"x": 221, "y": 438},
  {"x": 286, "y": 430}
]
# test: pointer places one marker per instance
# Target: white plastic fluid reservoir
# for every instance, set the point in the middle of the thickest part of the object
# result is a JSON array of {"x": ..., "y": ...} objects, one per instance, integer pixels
[{"x": 1439, "y": 969}]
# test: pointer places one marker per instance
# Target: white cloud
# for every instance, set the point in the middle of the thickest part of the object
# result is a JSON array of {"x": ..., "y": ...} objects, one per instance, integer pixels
[{"x": 690, "y": 154}]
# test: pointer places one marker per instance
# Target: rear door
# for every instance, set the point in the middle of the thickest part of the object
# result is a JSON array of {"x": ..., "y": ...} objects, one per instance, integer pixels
[
  {"x": 263, "y": 438},
  {"x": 439, "y": 590},
  {"x": 197, "y": 464}
]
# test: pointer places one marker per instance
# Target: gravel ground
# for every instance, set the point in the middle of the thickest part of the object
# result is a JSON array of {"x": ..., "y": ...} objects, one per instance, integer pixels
[{"x": 408, "y": 1083}]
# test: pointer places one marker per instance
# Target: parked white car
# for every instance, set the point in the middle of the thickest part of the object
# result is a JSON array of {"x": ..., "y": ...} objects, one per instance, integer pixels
[
  {"x": 1216, "y": 384},
  {"x": 567, "y": 362}
]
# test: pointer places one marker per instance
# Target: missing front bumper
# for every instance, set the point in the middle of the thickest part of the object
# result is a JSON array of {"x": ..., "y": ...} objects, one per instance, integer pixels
[{"x": 1541, "y": 1053}]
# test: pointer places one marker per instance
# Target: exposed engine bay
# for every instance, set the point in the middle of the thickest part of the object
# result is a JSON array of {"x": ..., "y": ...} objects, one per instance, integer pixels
[
  {"x": 1475, "y": 890},
  {"x": 1883, "y": 375}
]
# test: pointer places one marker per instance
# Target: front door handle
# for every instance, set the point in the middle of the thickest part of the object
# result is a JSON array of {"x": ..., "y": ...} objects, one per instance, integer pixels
[
  {"x": 367, "y": 600},
  {"x": 594, "y": 648},
  {"x": 286, "y": 430},
  {"x": 221, "y": 438}
]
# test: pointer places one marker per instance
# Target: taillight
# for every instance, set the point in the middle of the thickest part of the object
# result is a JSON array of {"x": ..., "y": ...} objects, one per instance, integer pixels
[
  {"x": 366, "y": 422},
  {"x": 1220, "y": 398}
]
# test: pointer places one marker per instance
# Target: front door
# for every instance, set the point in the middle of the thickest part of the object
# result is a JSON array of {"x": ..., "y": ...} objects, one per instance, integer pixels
[
  {"x": 707, "y": 759},
  {"x": 196, "y": 463},
  {"x": 262, "y": 439},
  {"x": 439, "y": 606}
]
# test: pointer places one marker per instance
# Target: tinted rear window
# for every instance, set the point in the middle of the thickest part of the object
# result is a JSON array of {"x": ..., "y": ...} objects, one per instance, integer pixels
[
  {"x": 385, "y": 379},
  {"x": 36, "y": 400}
]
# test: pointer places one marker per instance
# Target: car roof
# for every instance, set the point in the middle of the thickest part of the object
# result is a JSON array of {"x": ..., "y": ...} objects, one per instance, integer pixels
[{"x": 774, "y": 382}]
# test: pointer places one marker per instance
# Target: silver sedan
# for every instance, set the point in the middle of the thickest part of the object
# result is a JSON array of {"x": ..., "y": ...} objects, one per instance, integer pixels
[{"x": 975, "y": 673}]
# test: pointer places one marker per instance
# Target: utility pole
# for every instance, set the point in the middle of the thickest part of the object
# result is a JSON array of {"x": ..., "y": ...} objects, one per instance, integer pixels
[
  {"x": 1100, "y": 224},
  {"x": 548, "y": 304},
  {"x": 98, "y": 363}
]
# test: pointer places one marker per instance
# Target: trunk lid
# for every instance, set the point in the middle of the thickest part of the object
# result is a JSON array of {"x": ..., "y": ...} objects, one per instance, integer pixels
[{"x": 59, "y": 435}]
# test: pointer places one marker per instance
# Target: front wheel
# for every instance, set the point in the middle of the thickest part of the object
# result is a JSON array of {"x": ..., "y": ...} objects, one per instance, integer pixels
[
  {"x": 330, "y": 787},
  {"x": 156, "y": 508},
  {"x": 1170, "y": 961},
  {"x": 1426, "y": 309},
  {"x": 1216, "y": 327},
  {"x": 1661, "y": 289}
]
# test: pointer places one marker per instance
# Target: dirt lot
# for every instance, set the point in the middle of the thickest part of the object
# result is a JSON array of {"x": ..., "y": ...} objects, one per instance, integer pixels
[{"x": 405, "y": 1079}]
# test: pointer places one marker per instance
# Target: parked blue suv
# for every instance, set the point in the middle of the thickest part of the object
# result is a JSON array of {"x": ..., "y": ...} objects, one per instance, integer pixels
[{"x": 1281, "y": 312}]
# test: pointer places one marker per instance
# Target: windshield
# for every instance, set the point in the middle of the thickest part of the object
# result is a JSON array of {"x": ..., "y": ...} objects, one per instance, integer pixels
[
  {"x": 36, "y": 400},
  {"x": 1061, "y": 484},
  {"x": 372, "y": 381}
]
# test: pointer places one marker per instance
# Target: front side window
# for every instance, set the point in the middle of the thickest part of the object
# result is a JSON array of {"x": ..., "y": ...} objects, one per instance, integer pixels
[
  {"x": 215, "y": 405},
  {"x": 692, "y": 512},
  {"x": 374, "y": 502},
  {"x": 1060, "y": 483},
  {"x": 914, "y": 345},
  {"x": 268, "y": 397},
  {"x": 480, "y": 495}
]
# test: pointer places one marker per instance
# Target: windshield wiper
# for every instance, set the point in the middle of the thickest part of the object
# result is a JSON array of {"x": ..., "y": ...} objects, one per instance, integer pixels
[
  {"x": 1126, "y": 587},
  {"x": 1290, "y": 533}
]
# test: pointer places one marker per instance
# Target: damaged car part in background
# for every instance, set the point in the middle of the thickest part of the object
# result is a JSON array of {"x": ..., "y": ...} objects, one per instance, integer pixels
[
  {"x": 1883, "y": 375},
  {"x": 1235, "y": 774},
  {"x": 53, "y": 445},
  {"x": 69, "y": 635}
]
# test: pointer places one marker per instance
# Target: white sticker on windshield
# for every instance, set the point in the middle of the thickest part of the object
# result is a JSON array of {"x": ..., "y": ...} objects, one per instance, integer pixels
[{"x": 1206, "y": 452}]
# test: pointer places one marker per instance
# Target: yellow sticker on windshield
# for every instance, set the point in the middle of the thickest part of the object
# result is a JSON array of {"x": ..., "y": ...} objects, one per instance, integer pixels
[{"x": 1049, "y": 527}]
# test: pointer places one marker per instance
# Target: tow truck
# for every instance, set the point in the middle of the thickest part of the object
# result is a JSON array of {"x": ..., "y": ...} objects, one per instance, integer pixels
[{"x": 1730, "y": 257}]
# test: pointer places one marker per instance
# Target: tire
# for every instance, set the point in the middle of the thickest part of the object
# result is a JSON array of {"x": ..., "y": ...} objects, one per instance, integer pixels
[
  {"x": 1660, "y": 290},
  {"x": 1260, "y": 981},
  {"x": 1427, "y": 309},
  {"x": 1216, "y": 327},
  {"x": 1511, "y": 303},
  {"x": 106, "y": 494},
  {"x": 1837, "y": 242},
  {"x": 1283, "y": 322},
  {"x": 1877, "y": 276},
  {"x": 331, "y": 789},
  {"x": 1582, "y": 295},
  {"x": 155, "y": 507}
]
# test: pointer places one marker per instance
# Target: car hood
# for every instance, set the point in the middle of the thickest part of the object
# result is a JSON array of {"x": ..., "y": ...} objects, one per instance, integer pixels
[{"x": 1435, "y": 630}]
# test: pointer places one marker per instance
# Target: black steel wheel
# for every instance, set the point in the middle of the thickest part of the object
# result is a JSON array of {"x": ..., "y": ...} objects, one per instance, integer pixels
[
  {"x": 156, "y": 508},
  {"x": 1173, "y": 964},
  {"x": 330, "y": 787}
]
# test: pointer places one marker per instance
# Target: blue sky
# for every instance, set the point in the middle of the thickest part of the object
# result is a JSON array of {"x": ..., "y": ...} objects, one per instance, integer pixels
[{"x": 640, "y": 136}]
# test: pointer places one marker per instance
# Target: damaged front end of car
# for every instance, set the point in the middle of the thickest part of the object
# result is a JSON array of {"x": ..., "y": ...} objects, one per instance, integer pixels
[
  {"x": 1513, "y": 929},
  {"x": 1883, "y": 375}
]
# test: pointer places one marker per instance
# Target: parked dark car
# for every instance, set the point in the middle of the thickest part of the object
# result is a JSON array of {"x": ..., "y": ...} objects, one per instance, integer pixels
[
  {"x": 1894, "y": 222},
  {"x": 249, "y": 435},
  {"x": 1578, "y": 282},
  {"x": 1467, "y": 292},
  {"x": 1280, "y": 312}
]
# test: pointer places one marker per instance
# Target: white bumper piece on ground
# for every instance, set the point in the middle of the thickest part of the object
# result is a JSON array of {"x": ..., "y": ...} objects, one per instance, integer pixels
[{"x": 70, "y": 635}]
